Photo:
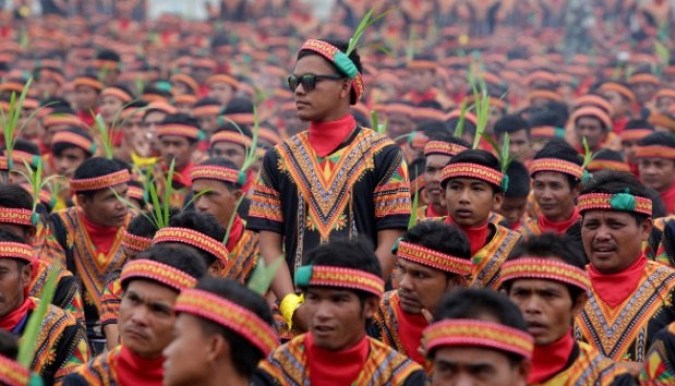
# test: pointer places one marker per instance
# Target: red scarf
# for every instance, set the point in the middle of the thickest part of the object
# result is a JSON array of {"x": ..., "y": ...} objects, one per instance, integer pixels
[
  {"x": 431, "y": 213},
  {"x": 514, "y": 226},
  {"x": 101, "y": 237},
  {"x": 615, "y": 288},
  {"x": 335, "y": 368},
  {"x": 325, "y": 137},
  {"x": 10, "y": 321},
  {"x": 410, "y": 327},
  {"x": 558, "y": 227},
  {"x": 134, "y": 370},
  {"x": 668, "y": 198},
  {"x": 550, "y": 359},
  {"x": 235, "y": 233},
  {"x": 477, "y": 235},
  {"x": 182, "y": 176}
]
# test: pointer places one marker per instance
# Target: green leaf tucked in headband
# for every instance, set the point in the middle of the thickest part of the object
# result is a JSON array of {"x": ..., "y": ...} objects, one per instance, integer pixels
[
  {"x": 263, "y": 275},
  {"x": 623, "y": 202}
]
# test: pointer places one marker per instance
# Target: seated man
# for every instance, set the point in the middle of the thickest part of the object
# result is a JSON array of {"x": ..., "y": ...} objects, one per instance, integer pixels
[
  {"x": 478, "y": 337},
  {"x": 342, "y": 286},
  {"x": 433, "y": 258},
  {"x": 546, "y": 277},
  {"x": 514, "y": 207},
  {"x": 222, "y": 332},
  {"x": 151, "y": 285},
  {"x": 62, "y": 346}
]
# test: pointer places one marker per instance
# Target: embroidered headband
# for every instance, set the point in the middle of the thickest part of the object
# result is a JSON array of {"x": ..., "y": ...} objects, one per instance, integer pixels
[
  {"x": 340, "y": 60},
  {"x": 117, "y": 93},
  {"x": 136, "y": 193},
  {"x": 547, "y": 132},
  {"x": 593, "y": 112},
  {"x": 222, "y": 78},
  {"x": 230, "y": 315},
  {"x": 644, "y": 78},
  {"x": 12, "y": 373},
  {"x": 556, "y": 165},
  {"x": 472, "y": 170},
  {"x": 442, "y": 147},
  {"x": 12, "y": 250},
  {"x": 62, "y": 119},
  {"x": 101, "y": 182},
  {"x": 600, "y": 164},
  {"x": 434, "y": 259},
  {"x": 656, "y": 151},
  {"x": 179, "y": 130},
  {"x": 134, "y": 242},
  {"x": 538, "y": 268},
  {"x": 624, "y": 202},
  {"x": 329, "y": 276},
  {"x": 153, "y": 270},
  {"x": 74, "y": 139},
  {"x": 89, "y": 82},
  {"x": 193, "y": 238},
  {"x": 219, "y": 173},
  {"x": 635, "y": 134},
  {"x": 230, "y": 136},
  {"x": 469, "y": 332},
  {"x": 205, "y": 111},
  {"x": 16, "y": 216},
  {"x": 240, "y": 118}
]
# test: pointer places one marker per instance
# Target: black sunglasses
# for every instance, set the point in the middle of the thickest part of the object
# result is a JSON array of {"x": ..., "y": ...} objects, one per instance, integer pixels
[{"x": 309, "y": 81}]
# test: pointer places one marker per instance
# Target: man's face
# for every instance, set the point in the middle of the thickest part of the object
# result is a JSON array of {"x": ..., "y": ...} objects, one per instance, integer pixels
[
  {"x": 47, "y": 88},
  {"x": 69, "y": 160},
  {"x": 132, "y": 126},
  {"x": 591, "y": 129},
  {"x": 519, "y": 145},
  {"x": 173, "y": 147},
  {"x": 470, "y": 201},
  {"x": 657, "y": 173},
  {"x": 222, "y": 92},
  {"x": 214, "y": 198},
  {"x": 474, "y": 366},
  {"x": 432, "y": 178},
  {"x": 513, "y": 209},
  {"x": 629, "y": 150},
  {"x": 399, "y": 124},
  {"x": 186, "y": 361},
  {"x": 547, "y": 308},
  {"x": 553, "y": 194},
  {"x": 85, "y": 98},
  {"x": 619, "y": 104},
  {"x": 104, "y": 208},
  {"x": 231, "y": 151},
  {"x": 421, "y": 287},
  {"x": 422, "y": 80},
  {"x": 644, "y": 91},
  {"x": 612, "y": 240},
  {"x": 664, "y": 104},
  {"x": 13, "y": 282},
  {"x": 338, "y": 317},
  {"x": 109, "y": 108},
  {"x": 208, "y": 123},
  {"x": 317, "y": 104}
]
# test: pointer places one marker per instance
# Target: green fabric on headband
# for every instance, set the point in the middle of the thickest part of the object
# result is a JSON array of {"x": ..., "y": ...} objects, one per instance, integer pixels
[
  {"x": 303, "y": 276},
  {"x": 623, "y": 201},
  {"x": 344, "y": 64},
  {"x": 505, "y": 183}
]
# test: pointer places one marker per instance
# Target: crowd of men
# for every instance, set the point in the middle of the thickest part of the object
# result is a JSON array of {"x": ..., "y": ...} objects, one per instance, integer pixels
[{"x": 470, "y": 192}]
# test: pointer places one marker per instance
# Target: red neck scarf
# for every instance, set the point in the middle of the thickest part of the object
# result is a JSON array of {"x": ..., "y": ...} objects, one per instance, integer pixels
[
  {"x": 668, "y": 198},
  {"x": 550, "y": 359},
  {"x": 410, "y": 327},
  {"x": 10, "y": 321},
  {"x": 325, "y": 137},
  {"x": 558, "y": 227},
  {"x": 101, "y": 237},
  {"x": 514, "y": 226},
  {"x": 134, "y": 370},
  {"x": 431, "y": 212},
  {"x": 335, "y": 368},
  {"x": 478, "y": 236},
  {"x": 615, "y": 288},
  {"x": 182, "y": 176},
  {"x": 235, "y": 233}
]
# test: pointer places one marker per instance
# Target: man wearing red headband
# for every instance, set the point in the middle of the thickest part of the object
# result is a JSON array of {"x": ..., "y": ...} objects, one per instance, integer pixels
[
  {"x": 546, "y": 277},
  {"x": 656, "y": 163},
  {"x": 335, "y": 180}
]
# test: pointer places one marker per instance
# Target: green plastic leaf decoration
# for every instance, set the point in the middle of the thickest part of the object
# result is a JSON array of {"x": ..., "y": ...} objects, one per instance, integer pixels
[
  {"x": 588, "y": 154},
  {"x": 623, "y": 201},
  {"x": 367, "y": 20},
  {"x": 29, "y": 339},
  {"x": 415, "y": 207},
  {"x": 662, "y": 52},
  {"x": 10, "y": 121},
  {"x": 481, "y": 106},
  {"x": 263, "y": 275},
  {"x": 106, "y": 137},
  {"x": 36, "y": 181}
]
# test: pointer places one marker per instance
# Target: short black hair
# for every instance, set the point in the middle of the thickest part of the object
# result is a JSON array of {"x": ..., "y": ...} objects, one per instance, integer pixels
[
  {"x": 613, "y": 182},
  {"x": 510, "y": 124},
  {"x": 559, "y": 149},
  {"x": 177, "y": 256},
  {"x": 143, "y": 226},
  {"x": 245, "y": 356},
  {"x": 206, "y": 102},
  {"x": 431, "y": 127},
  {"x": 548, "y": 118},
  {"x": 95, "y": 167},
  {"x": 15, "y": 197},
  {"x": 225, "y": 163},
  {"x": 447, "y": 136},
  {"x": 202, "y": 223},
  {"x": 342, "y": 46},
  {"x": 60, "y": 147},
  {"x": 239, "y": 105},
  {"x": 658, "y": 138},
  {"x": 467, "y": 128},
  {"x": 479, "y": 304},
  {"x": 441, "y": 237},
  {"x": 519, "y": 180},
  {"x": 638, "y": 124},
  {"x": 9, "y": 344},
  {"x": 547, "y": 246},
  {"x": 479, "y": 157}
]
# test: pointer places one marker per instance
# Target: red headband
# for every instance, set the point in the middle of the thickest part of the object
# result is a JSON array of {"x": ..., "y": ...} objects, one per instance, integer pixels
[
  {"x": 656, "y": 151},
  {"x": 329, "y": 276},
  {"x": 98, "y": 183},
  {"x": 12, "y": 250},
  {"x": 547, "y": 269},
  {"x": 16, "y": 216},
  {"x": 117, "y": 93},
  {"x": 153, "y": 270},
  {"x": 471, "y": 170},
  {"x": 635, "y": 134},
  {"x": 12, "y": 373},
  {"x": 434, "y": 259},
  {"x": 206, "y": 110},
  {"x": 178, "y": 130},
  {"x": 230, "y": 136},
  {"x": 556, "y": 165},
  {"x": 214, "y": 172},
  {"x": 74, "y": 139},
  {"x": 89, "y": 82},
  {"x": 594, "y": 112},
  {"x": 222, "y": 78},
  {"x": 193, "y": 238},
  {"x": 135, "y": 243},
  {"x": 601, "y": 164},
  {"x": 442, "y": 147},
  {"x": 623, "y": 202},
  {"x": 335, "y": 56}
]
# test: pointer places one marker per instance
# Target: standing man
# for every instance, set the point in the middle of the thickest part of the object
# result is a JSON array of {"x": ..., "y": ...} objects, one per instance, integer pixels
[{"x": 335, "y": 180}]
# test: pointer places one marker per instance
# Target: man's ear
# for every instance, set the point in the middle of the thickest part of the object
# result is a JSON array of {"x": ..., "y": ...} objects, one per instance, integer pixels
[{"x": 370, "y": 306}]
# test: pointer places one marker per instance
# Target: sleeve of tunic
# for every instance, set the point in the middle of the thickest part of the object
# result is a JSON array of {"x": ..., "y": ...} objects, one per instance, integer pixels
[
  {"x": 265, "y": 212},
  {"x": 392, "y": 192}
]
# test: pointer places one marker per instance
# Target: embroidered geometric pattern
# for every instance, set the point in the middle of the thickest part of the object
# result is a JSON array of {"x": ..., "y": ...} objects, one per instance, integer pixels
[
  {"x": 266, "y": 203},
  {"x": 98, "y": 183},
  {"x": 442, "y": 147},
  {"x": 16, "y": 216},
  {"x": 217, "y": 173},
  {"x": 488, "y": 260},
  {"x": 74, "y": 139},
  {"x": 229, "y": 136},
  {"x": 328, "y": 51},
  {"x": 609, "y": 165},
  {"x": 471, "y": 170},
  {"x": 594, "y": 201},
  {"x": 13, "y": 250},
  {"x": 228, "y": 314},
  {"x": 538, "y": 268},
  {"x": 556, "y": 165},
  {"x": 165, "y": 274},
  {"x": 194, "y": 238},
  {"x": 471, "y": 332},
  {"x": 328, "y": 276},
  {"x": 135, "y": 243},
  {"x": 656, "y": 151},
  {"x": 12, "y": 373},
  {"x": 425, "y": 256},
  {"x": 178, "y": 130}
]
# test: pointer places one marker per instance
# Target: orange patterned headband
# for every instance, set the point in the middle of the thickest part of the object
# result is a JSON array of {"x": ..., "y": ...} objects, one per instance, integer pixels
[
  {"x": 547, "y": 132},
  {"x": 74, "y": 139},
  {"x": 329, "y": 276},
  {"x": 635, "y": 134},
  {"x": 230, "y": 136},
  {"x": 16, "y": 216},
  {"x": 12, "y": 373},
  {"x": 135, "y": 243},
  {"x": 222, "y": 78},
  {"x": 153, "y": 270},
  {"x": 434, "y": 259},
  {"x": 340, "y": 60},
  {"x": 11, "y": 250},
  {"x": 556, "y": 165},
  {"x": 472, "y": 170},
  {"x": 624, "y": 202},
  {"x": 117, "y": 93},
  {"x": 99, "y": 183},
  {"x": 205, "y": 111},
  {"x": 547, "y": 269},
  {"x": 89, "y": 82},
  {"x": 242, "y": 118},
  {"x": 136, "y": 193},
  {"x": 442, "y": 147},
  {"x": 54, "y": 120},
  {"x": 193, "y": 238},
  {"x": 219, "y": 173},
  {"x": 470, "y": 332},
  {"x": 179, "y": 130},
  {"x": 229, "y": 315},
  {"x": 644, "y": 78},
  {"x": 600, "y": 164},
  {"x": 656, "y": 151}
]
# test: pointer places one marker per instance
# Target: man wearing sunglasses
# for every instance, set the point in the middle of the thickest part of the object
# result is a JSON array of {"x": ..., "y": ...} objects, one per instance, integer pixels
[{"x": 335, "y": 181}]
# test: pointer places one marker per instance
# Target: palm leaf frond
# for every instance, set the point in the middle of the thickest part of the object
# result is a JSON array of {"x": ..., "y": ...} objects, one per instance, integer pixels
[
  {"x": 262, "y": 275},
  {"x": 30, "y": 335}
]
